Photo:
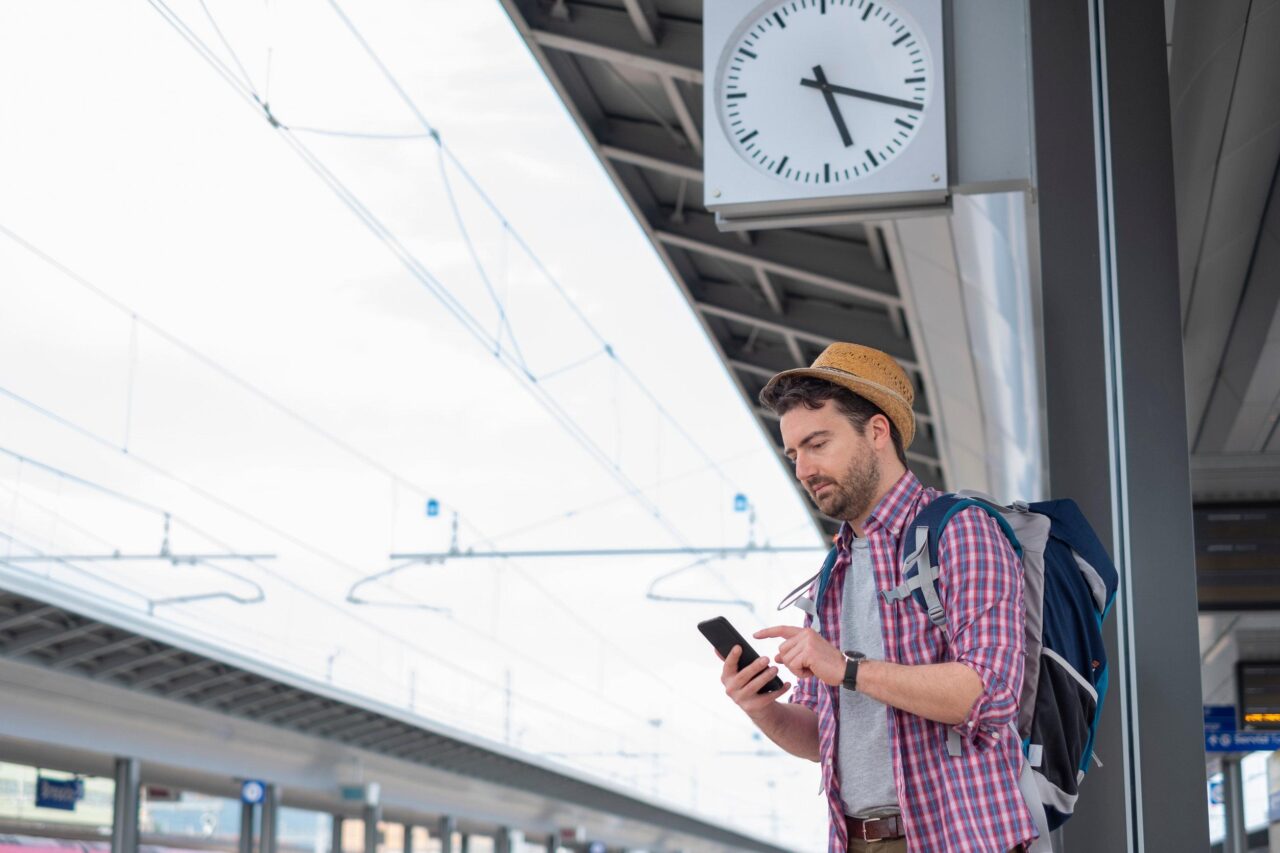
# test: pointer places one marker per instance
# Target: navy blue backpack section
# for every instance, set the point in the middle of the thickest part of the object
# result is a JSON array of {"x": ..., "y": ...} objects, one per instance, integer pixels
[{"x": 1069, "y": 586}]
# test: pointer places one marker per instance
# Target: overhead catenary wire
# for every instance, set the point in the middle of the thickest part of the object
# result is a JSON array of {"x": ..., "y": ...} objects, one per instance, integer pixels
[
  {"x": 433, "y": 133},
  {"x": 297, "y": 541},
  {"x": 557, "y": 602},
  {"x": 419, "y": 270},
  {"x": 261, "y": 106}
]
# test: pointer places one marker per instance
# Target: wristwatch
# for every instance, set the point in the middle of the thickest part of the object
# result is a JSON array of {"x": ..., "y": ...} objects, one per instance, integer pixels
[{"x": 851, "y": 660}]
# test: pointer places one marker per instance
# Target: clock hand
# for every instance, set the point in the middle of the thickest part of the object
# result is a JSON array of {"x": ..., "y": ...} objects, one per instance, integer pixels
[
  {"x": 858, "y": 93},
  {"x": 821, "y": 83}
]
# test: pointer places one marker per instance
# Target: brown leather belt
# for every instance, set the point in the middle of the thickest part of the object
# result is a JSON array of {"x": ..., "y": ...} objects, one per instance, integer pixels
[{"x": 876, "y": 828}]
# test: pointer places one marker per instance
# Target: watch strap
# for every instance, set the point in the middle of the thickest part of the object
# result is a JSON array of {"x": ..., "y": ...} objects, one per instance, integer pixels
[{"x": 851, "y": 661}]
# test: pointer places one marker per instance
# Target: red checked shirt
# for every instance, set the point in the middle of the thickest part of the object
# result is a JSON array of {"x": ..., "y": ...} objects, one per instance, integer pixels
[{"x": 969, "y": 802}]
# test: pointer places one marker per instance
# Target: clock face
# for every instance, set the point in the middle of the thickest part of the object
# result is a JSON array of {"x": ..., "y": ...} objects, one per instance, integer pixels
[{"x": 824, "y": 91}]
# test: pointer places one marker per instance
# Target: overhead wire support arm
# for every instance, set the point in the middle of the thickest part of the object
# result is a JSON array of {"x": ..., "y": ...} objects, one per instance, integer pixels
[
  {"x": 176, "y": 559},
  {"x": 692, "y": 550}
]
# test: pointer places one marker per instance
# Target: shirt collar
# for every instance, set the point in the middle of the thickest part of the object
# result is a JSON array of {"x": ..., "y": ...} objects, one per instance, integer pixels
[{"x": 893, "y": 511}]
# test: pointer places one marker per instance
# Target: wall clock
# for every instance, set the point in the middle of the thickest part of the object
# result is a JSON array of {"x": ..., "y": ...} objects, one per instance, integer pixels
[{"x": 823, "y": 107}]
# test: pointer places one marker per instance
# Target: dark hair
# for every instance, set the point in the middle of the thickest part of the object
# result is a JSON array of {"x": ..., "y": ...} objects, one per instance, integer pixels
[{"x": 811, "y": 392}]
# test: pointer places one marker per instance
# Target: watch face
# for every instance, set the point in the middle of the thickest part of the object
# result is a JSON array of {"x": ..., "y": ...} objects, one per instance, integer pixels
[{"x": 824, "y": 91}]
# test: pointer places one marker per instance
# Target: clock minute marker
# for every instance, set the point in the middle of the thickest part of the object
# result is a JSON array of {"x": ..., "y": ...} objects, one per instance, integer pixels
[{"x": 782, "y": 162}]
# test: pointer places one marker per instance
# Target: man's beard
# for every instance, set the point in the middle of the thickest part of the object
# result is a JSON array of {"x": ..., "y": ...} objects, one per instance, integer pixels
[{"x": 851, "y": 496}]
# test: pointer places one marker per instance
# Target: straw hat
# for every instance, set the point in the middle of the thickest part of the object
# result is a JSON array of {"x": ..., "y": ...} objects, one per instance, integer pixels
[{"x": 869, "y": 373}]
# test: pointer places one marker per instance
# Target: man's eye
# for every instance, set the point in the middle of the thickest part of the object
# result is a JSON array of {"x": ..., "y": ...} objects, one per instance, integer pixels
[{"x": 818, "y": 446}]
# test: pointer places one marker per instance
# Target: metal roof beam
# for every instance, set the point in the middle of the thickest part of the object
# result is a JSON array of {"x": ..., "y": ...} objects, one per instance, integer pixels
[
  {"x": 196, "y": 684},
  {"x": 218, "y": 697},
  {"x": 807, "y": 319},
  {"x": 608, "y": 35},
  {"x": 773, "y": 295},
  {"x": 92, "y": 649},
  {"x": 265, "y": 703},
  {"x": 356, "y": 730},
  {"x": 822, "y": 261},
  {"x": 644, "y": 17},
  {"x": 314, "y": 717},
  {"x": 128, "y": 663},
  {"x": 35, "y": 640},
  {"x": 621, "y": 154},
  {"x": 692, "y": 131},
  {"x": 20, "y": 619},
  {"x": 650, "y": 146},
  {"x": 396, "y": 730},
  {"x": 171, "y": 673},
  {"x": 392, "y": 740}
]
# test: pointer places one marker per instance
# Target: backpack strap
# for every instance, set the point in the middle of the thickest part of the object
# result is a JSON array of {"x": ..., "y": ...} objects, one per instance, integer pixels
[
  {"x": 810, "y": 605},
  {"x": 920, "y": 558}
]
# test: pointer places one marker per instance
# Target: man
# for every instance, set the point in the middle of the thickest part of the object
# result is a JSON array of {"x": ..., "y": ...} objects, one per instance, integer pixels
[{"x": 880, "y": 689}]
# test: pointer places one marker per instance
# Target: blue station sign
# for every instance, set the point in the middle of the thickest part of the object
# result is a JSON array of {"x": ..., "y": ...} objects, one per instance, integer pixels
[
  {"x": 1222, "y": 735},
  {"x": 58, "y": 793}
]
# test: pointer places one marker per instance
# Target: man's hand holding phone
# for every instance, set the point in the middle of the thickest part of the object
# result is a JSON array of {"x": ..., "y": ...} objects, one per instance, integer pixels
[{"x": 744, "y": 686}]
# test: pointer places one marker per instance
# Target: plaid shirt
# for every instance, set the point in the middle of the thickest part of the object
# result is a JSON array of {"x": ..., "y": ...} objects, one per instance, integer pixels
[{"x": 970, "y": 802}]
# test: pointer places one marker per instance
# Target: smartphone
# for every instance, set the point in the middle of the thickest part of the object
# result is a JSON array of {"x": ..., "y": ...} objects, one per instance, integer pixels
[{"x": 724, "y": 637}]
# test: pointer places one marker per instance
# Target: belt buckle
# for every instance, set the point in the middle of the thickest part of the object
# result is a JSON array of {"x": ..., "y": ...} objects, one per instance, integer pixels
[{"x": 867, "y": 822}]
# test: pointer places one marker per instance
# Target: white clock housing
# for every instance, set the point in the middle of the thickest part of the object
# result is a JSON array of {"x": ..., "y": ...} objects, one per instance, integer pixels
[{"x": 823, "y": 110}]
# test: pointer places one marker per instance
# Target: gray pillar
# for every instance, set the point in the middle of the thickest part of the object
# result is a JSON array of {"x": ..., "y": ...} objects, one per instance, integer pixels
[
  {"x": 124, "y": 821},
  {"x": 447, "y": 827},
  {"x": 1116, "y": 404},
  {"x": 246, "y": 828},
  {"x": 269, "y": 831},
  {"x": 464, "y": 843},
  {"x": 335, "y": 839},
  {"x": 408, "y": 838},
  {"x": 372, "y": 814},
  {"x": 1236, "y": 840},
  {"x": 553, "y": 843}
]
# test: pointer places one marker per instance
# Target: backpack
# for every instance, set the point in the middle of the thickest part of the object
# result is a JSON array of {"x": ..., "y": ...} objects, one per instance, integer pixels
[{"x": 1069, "y": 585}]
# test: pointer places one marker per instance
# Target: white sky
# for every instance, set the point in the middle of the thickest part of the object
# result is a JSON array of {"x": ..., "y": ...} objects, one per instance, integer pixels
[{"x": 126, "y": 158}]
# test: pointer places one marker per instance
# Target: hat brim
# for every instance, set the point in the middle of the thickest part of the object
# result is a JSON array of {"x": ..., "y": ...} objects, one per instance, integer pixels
[{"x": 895, "y": 408}]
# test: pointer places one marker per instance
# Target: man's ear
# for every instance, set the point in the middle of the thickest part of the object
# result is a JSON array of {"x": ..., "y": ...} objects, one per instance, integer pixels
[{"x": 880, "y": 430}]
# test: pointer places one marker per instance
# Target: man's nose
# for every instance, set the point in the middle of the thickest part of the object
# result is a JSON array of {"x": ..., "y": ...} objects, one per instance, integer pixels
[{"x": 804, "y": 470}]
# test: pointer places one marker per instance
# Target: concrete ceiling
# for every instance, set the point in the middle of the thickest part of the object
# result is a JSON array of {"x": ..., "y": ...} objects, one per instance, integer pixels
[{"x": 1223, "y": 70}]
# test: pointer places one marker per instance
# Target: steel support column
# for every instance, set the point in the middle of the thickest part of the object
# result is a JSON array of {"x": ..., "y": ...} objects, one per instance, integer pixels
[
  {"x": 447, "y": 827},
  {"x": 1237, "y": 839},
  {"x": 124, "y": 820},
  {"x": 372, "y": 815},
  {"x": 269, "y": 829},
  {"x": 408, "y": 838},
  {"x": 1115, "y": 401},
  {"x": 246, "y": 828},
  {"x": 335, "y": 836}
]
